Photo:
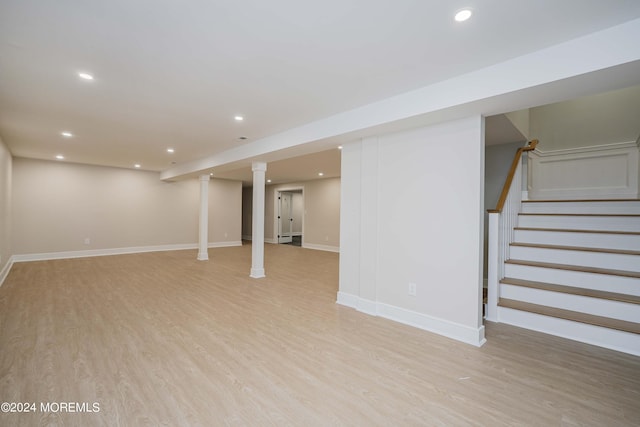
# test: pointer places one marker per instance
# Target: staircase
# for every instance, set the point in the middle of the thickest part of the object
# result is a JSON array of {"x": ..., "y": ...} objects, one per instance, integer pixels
[{"x": 574, "y": 271}]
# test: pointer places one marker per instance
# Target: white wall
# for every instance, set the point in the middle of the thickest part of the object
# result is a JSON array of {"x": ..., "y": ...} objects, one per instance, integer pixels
[
  {"x": 321, "y": 219},
  {"x": 412, "y": 213},
  {"x": 497, "y": 162},
  {"x": 520, "y": 120},
  {"x": 225, "y": 211},
  {"x": 598, "y": 172},
  {"x": 606, "y": 118},
  {"x": 322, "y": 214},
  {"x": 247, "y": 212},
  {"x": 57, "y": 205},
  {"x": 5, "y": 209},
  {"x": 588, "y": 147},
  {"x": 297, "y": 211}
]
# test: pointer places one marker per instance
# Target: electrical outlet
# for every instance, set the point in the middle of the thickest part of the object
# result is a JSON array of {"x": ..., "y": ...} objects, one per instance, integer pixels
[
  {"x": 87, "y": 241},
  {"x": 412, "y": 289}
]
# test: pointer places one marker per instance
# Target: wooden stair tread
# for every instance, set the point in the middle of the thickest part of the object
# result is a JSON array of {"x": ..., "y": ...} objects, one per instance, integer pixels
[
  {"x": 593, "y": 293},
  {"x": 612, "y": 272},
  {"x": 576, "y": 316},
  {"x": 580, "y": 200},
  {"x": 576, "y": 248},
  {"x": 608, "y": 215},
  {"x": 571, "y": 230}
]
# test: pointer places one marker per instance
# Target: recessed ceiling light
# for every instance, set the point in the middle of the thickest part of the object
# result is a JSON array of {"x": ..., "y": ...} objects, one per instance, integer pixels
[
  {"x": 211, "y": 174},
  {"x": 66, "y": 134},
  {"x": 85, "y": 76},
  {"x": 137, "y": 166},
  {"x": 238, "y": 118},
  {"x": 60, "y": 157},
  {"x": 320, "y": 174},
  {"x": 268, "y": 180},
  {"x": 339, "y": 147},
  {"x": 170, "y": 150},
  {"x": 462, "y": 15}
]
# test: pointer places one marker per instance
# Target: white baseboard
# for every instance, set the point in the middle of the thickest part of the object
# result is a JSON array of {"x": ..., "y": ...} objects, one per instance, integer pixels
[
  {"x": 225, "y": 244},
  {"x": 361, "y": 304},
  {"x": 321, "y": 247},
  {"x": 348, "y": 300},
  {"x": 257, "y": 273},
  {"x": 266, "y": 240},
  {"x": 456, "y": 331},
  {"x": 5, "y": 270},
  {"x": 117, "y": 251}
]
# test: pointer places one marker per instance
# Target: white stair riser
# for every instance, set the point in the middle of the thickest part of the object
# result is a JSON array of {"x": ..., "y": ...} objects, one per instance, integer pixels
[
  {"x": 626, "y": 207},
  {"x": 596, "y": 306},
  {"x": 582, "y": 258},
  {"x": 603, "y": 282},
  {"x": 589, "y": 240},
  {"x": 616, "y": 223},
  {"x": 613, "y": 339},
  {"x": 609, "y": 338}
]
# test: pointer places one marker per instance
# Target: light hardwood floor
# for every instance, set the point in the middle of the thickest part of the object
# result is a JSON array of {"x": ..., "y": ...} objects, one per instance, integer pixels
[{"x": 163, "y": 339}]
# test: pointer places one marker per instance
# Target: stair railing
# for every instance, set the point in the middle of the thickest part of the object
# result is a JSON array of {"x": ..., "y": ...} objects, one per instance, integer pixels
[{"x": 502, "y": 221}]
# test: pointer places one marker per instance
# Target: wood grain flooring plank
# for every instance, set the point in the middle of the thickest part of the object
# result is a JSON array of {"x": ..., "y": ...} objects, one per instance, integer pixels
[{"x": 163, "y": 339}]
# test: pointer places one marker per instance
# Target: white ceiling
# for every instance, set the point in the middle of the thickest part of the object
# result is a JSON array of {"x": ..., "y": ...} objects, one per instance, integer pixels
[{"x": 175, "y": 73}]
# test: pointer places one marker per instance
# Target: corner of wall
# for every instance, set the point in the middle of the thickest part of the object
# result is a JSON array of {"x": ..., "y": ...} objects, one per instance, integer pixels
[
  {"x": 4, "y": 271},
  {"x": 456, "y": 331},
  {"x": 6, "y": 207},
  {"x": 520, "y": 120}
]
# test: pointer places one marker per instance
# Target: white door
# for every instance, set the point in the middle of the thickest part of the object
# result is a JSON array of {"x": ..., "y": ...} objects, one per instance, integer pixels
[{"x": 285, "y": 218}]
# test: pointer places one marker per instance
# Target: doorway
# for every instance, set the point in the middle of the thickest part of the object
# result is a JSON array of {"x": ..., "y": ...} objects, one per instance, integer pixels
[{"x": 290, "y": 217}]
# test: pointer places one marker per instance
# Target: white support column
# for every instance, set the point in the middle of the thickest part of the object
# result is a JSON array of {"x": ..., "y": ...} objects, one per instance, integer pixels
[
  {"x": 257, "y": 238},
  {"x": 203, "y": 235}
]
